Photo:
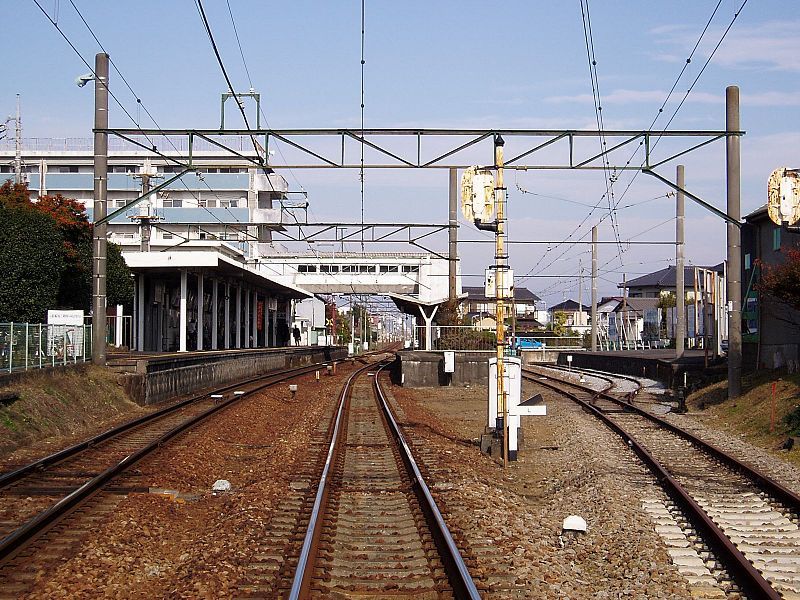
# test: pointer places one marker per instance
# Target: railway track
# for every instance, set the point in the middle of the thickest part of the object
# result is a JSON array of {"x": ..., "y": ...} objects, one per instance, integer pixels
[
  {"x": 34, "y": 497},
  {"x": 374, "y": 529},
  {"x": 725, "y": 525}
]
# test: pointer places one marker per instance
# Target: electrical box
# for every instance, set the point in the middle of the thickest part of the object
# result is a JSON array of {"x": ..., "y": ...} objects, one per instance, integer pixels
[
  {"x": 449, "y": 361},
  {"x": 512, "y": 384},
  {"x": 507, "y": 290}
]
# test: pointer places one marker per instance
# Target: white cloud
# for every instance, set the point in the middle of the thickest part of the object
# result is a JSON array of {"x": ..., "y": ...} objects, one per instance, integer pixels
[
  {"x": 772, "y": 45},
  {"x": 625, "y": 96}
]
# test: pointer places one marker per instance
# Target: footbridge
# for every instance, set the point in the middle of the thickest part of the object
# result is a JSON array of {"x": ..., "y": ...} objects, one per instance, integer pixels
[{"x": 417, "y": 282}]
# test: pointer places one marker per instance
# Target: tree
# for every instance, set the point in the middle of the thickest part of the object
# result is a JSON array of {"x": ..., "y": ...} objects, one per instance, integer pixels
[
  {"x": 782, "y": 281},
  {"x": 119, "y": 283},
  {"x": 31, "y": 263},
  {"x": 559, "y": 323},
  {"x": 73, "y": 279},
  {"x": 665, "y": 302}
]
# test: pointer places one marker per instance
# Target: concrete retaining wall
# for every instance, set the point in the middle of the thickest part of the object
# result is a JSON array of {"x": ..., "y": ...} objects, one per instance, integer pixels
[
  {"x": 158, "y": 379},
  {"x": 426, "y": 369}
]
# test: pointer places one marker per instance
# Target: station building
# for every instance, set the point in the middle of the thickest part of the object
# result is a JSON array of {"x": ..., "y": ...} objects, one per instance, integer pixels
[
  {"x": 208, "y": 274},
  {"x": 196, "y": 266}
]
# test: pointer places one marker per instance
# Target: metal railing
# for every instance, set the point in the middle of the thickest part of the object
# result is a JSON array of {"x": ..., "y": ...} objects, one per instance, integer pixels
[
  {"x": 475, "y": 338},
  {"x": 25, "y": 346},
  {"x": 119, "y": 331}
]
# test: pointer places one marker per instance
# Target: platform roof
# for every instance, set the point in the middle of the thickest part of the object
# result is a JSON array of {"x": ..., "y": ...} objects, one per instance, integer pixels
[{"x": 213, "y": 262}]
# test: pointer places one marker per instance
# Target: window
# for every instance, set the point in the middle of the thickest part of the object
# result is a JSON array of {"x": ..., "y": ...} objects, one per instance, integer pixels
[
  {"x": 329, "y": 268},
  {"x": 167, "y": 235},
  {"x": 389, "y": 268},
  {"x": 776, "y": 238},
  {"x": 410, "y": 268},
  {"x": 747, "y": 261},
  {"x": 306, "y": 268},
  {"x": 172, "y": 202},
  {"x": 366, "y": 268},
  {"x": 72, "y": 169},
  {"x": 123, "y": 169},
  {"x": 349, "y": 268}
]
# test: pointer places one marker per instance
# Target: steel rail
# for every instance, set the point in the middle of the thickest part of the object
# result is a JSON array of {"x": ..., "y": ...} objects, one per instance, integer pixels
[
  {"x": 741, "y": 569},
  {"x": 302, "y": 578},
  {"x": 10, "y": 544},
  {"x": 11, "y": 477},
  {"x": 460, "y": 580},
  {"x": 779, "y": 491}
]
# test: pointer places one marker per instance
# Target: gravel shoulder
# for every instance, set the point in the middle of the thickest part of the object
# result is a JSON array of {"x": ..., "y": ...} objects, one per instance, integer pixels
[{"x": 511, "y": 519}]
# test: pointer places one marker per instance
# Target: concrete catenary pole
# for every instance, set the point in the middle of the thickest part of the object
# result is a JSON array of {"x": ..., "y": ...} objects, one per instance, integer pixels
[
  {"x": 453, "y": 234},
  {"x": 733, "y": 172},
  {"x": 99, "y": 245},
  {"x": 144, "y": 221},
  {"x": 18, "y": 146},
  {"x": 680, "y": 284},
  {"x": 594, "y": 289}
]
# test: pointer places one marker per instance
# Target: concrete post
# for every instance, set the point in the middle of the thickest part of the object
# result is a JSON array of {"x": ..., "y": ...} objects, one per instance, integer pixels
[
  {"x": 238, "y": 316},
  {"x": 453, "y": 235},
  {"x": 227, "y": 334},
  {"x": 734, "y": 209},
  {"x": 255, "y": 319},
  {"x": 141, "y": 307},
  {"x": 200, "y": 296},
  {"x": 182, "y": 326},
  {"x": 214, "y": 313},
  {"x": 99, "y": 246},
  {"x": 680, "y": 284},
  {"x": 246, "y": 302},
  {"x": 594, "y": 289}
]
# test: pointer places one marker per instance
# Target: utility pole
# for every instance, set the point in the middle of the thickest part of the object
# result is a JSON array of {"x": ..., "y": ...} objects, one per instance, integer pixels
[
  {"x": 680, "y": 284},
  {"x": 734, "y": 209},
  {"x": 145, "y": 216},
  {"x": 580, "y": 292},
  {"x": 100, "y": 244},
  {"x": 453, "y": 234},
  {"x": 594, "y": 288},
  {"x": 18, "y": 147},
  {"x": 500, "y": 266}
]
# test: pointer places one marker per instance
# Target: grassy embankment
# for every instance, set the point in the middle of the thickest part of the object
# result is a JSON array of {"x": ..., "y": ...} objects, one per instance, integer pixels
[
  {"x": 751, "y": 415},
  {"x": 56, "y": 408}
]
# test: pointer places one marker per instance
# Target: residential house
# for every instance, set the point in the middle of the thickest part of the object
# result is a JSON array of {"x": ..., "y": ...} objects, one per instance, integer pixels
[
  {"x": 479, "y": 307},
  {"x": 770, "y": 329},
  {"x": 577, "y": 315}
]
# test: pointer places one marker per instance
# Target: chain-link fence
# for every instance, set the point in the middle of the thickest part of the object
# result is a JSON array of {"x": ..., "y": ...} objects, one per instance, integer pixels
[{"x": 25, "y": 346}]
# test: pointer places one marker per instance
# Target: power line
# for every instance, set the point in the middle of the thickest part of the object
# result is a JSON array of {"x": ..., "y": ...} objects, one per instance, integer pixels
[{"x": 361, "y": 175}]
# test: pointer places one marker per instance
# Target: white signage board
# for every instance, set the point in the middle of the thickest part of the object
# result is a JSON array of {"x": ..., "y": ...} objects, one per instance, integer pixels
[
  {"x": 65, "y": 333},
  {"x": 449, "y": 361},
  {"x": 490, "y": 287}
]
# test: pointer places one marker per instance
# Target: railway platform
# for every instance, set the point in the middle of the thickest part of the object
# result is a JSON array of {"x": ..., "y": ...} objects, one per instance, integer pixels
[
  {"x": 151, "y": 377},
  {"x": 661, "y": 365}
]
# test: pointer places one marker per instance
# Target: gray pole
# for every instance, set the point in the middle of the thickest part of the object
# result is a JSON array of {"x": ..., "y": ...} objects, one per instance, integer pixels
[
  {"x": 734, "y": 209},
  {"x": 453, "y": 233},
  {"x": 18, "y": 146},
  {"x": 594, "y": 288},
  {"x": 100, "y": 194},
  {"x": 680, "y": 284},
  {"x": 144, "y": 222}
]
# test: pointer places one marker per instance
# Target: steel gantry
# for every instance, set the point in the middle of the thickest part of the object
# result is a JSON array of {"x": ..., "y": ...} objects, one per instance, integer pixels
[{"x": 431, "y": 148}]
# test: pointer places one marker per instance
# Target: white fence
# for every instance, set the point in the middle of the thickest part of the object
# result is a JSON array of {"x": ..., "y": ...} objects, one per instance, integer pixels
[{"x": 25, "y": 346}]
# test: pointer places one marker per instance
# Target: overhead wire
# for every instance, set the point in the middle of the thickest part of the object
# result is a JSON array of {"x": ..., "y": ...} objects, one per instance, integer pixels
[
  {"x": 659, "y": 113},
  {"x": 141, "y": 104},
  {"x": 361, "y": 174}
]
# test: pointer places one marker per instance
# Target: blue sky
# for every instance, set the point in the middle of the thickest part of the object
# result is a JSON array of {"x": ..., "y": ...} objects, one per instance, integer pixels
[{"x": 448, "y": 64}]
